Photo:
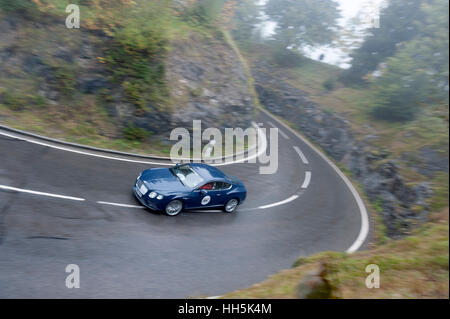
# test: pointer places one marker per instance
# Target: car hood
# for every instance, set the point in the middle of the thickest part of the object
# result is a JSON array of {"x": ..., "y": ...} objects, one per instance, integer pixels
[{"x": 161, "y": 179}]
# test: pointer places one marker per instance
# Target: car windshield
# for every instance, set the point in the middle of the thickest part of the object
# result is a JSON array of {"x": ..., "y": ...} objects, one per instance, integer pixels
[{"x": 187, "y": 175}]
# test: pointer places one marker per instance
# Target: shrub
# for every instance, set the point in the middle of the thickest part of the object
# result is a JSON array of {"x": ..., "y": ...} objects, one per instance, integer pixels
[
  {"x": 13, "y": 100},
  {"x": 286, "y": 58},
  {"x": 398, "y": 101},
  {"x": 134, "y": 133},
  {"x": 65, "y": 79},
  {"x": 329, "y": 84},
  {"x": 16, "y": 5},
  {"x": 135, "y": 61},
  {"x": 204, "y": 12},
  {"x": 36, "y": 100}
]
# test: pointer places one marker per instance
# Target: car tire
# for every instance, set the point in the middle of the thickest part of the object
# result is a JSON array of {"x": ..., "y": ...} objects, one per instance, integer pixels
[
  {"x": 174, "y": 207},
  {"x": 231, "y": 205}
]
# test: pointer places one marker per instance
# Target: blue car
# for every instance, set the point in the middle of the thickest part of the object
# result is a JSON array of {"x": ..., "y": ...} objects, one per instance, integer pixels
[{"x": 188, "y": 186}]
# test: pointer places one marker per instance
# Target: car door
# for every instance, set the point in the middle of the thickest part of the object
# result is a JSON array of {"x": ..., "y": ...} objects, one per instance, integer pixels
[
  {"x": 221, "y": 190},
  {"x": 203, "y": 196}
]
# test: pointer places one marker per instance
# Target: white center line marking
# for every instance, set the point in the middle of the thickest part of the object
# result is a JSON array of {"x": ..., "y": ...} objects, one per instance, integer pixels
[
  {"x": 364, "y": 230},
  {"x": 287, "y": 200},
  {"x": 307, "y": 179},
  {"x": 280, "y": 131},
  {"x": 120, "y": 205},
  {"x": 302, "y": 156},
  {"x": 39, "y": 193}
]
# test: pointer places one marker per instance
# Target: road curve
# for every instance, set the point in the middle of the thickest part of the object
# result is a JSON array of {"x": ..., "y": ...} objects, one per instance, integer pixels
[{"x": 59, "y": 208}]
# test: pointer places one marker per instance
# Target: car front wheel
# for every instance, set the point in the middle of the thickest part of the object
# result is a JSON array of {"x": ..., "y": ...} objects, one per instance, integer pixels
[
  {"x": 174, "y": 207},
  {"x": 231, "y": 205}
]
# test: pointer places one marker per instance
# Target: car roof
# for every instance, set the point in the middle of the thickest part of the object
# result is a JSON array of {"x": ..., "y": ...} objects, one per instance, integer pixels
[{"x": 208, "y": 172}]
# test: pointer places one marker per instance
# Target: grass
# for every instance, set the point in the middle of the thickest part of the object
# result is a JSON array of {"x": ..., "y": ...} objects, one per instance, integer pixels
[
  {"x": 353, "y": 103},
  {"x": 139, "y": 38},
  {"x": 92, "y": 127},
  {"x": 248, "y": 73},
  {"x": 401, "y": 141},
  {"x": 441, "y": 192},
  {"x": 413, "y": 267}
]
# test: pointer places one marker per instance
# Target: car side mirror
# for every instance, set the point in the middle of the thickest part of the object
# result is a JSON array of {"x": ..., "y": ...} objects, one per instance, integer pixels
[{"x": 203, "y": 192}]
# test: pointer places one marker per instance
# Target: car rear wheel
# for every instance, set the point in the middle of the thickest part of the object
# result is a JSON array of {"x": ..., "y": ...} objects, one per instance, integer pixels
[
  {"x": 231, "y": 205},
  {"x": 174, "y": 207}
]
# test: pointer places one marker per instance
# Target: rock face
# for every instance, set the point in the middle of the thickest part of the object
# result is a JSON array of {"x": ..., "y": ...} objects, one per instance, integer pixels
[
  {"x": 315, "y": 285},
  {"x": 50, "y": 61},
  {"x": 400, "y": 206},
  {"x": 204, "y": 76},
  {"x": 208, "y": 82}
]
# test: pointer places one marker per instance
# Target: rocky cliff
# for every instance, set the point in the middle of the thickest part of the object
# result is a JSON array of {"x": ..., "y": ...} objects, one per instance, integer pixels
[
  {"x": 44, "y": 66},
  {"x": 208, "y": 82},
  {"x": 400, "y": 205}
]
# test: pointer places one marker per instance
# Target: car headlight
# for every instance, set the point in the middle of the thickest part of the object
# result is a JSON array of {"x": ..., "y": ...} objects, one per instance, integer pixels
[
  {"x": 152, "y": 195},
  {"x": 160, "y": 197}
]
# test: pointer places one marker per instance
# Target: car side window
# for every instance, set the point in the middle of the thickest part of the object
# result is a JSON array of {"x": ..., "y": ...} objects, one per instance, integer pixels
[
  {"x": 207, "y": 186},
  {"x": 226, "y": 185},
  {"x": 221, "y": 185}
]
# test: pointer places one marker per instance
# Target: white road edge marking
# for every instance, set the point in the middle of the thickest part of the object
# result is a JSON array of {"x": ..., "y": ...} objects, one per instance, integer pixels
[
  {"x": 305, "y": 185},
  {"x": 279, "y": 131},
  {"x": 261, "y": 149},
  {"x": 302, "y": 156},
  {"x": 287, "y": 200},
  {"x": 209, "y": 148},
  {"x": 307, "y": 179},
  {"x": 39, "y": 193},
  {"x": 120, "y": 205},
  {"x": 364, "y": 230}
]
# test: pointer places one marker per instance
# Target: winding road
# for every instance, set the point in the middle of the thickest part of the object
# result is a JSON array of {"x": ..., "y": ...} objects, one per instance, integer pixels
[{"x": 62, "y": 206}]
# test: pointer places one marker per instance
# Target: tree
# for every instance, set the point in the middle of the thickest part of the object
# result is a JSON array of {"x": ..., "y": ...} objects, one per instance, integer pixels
[
  {"x": 245, "y": 20},
  {"x": 204, "y": 12},
  {"x": 418, "y": 73},
  {"x": 399, "y": 92},
  {"x": 302, "y": 22},
  {"x": 399, "y": 22}
]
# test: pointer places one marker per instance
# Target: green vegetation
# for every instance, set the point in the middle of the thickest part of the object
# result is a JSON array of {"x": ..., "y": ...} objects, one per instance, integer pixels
[
  {"x": 136, "y": 56},
  {"x": 16, "y": 101},
  {"x": 417, "y": 75},
  {"x": 229, "y": 39},
  {"x": 65, "y": 78},
  {"x": 414, "y": 267},
  {"x": 409, "y": 52},
  {"x": 16, "y": 5},
  {"x": 134, "y": 133},
  {"x": 302, "y": 22},
  {"x": 203, "y": 12},
  {"x": 329, "y": 84},
  {"x": 246, "y": 17},
  {"x": 305, "y": 23},
  {"x": 131, "y": 40},
  {"x": 404, "y": 108},
  {"x": 399, "y": 22},
  {"x": 441, "y": 192},
  {"x": 13, "y": 100}
]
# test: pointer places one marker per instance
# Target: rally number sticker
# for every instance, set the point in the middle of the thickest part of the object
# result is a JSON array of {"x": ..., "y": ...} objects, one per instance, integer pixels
[{"x": 206, "y": 200}]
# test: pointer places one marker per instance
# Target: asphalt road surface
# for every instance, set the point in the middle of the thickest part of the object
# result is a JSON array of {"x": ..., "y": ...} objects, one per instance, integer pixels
[{"x": 58, "y": 207}]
